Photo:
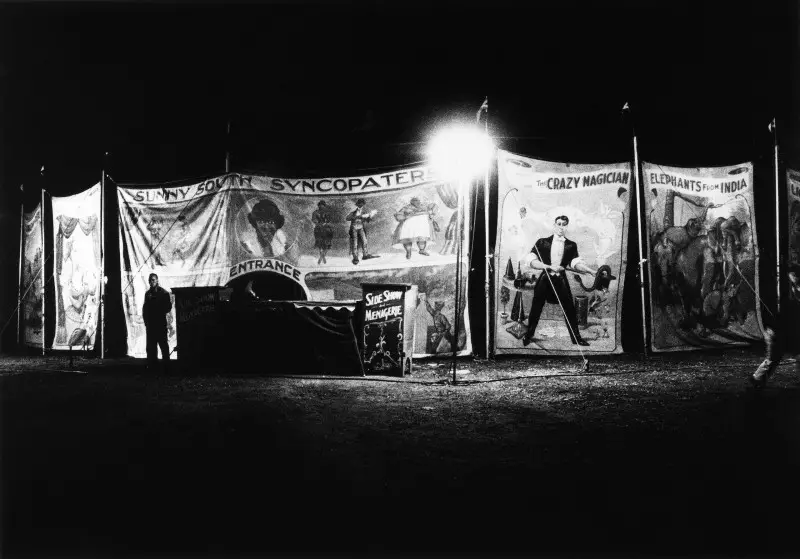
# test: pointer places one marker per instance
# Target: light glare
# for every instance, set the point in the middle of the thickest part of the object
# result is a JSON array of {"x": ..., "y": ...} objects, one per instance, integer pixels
[{"x": 460, "y": 152}]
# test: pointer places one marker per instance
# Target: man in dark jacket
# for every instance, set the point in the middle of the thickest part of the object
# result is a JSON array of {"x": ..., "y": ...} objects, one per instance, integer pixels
[
  {"x": 553, "y": 255},
  {"x": 157, "y": 304}
]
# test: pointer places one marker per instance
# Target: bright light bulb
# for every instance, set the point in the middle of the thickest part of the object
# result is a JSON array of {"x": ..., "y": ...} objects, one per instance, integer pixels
[{"x": 460, "y": 152}]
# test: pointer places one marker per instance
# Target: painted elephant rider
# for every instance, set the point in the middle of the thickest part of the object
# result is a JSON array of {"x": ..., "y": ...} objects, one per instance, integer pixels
[
  {"x": 416, "y": 224},
  {"x": 724, "y": 246}
]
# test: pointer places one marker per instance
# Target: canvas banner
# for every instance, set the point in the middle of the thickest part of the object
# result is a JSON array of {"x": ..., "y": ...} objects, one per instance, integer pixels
[
  {"x": 793, "y": 196},
  {"x": 77, "y": 267},
  {"x": 549, "y": 313},
  {"x": 328, "y": 235},
  {"x": 702, "y": 258},
  {"x": 32, "y": 277}
]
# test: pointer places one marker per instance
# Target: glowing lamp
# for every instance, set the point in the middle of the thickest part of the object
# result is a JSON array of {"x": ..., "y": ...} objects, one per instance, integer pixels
[{"x": 460, "y": 152}]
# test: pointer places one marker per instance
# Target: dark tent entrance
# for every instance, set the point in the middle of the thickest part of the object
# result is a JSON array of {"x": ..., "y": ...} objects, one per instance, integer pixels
[
  {"x": 262, "y": 323},
  {"x": 266, "y": 286}
]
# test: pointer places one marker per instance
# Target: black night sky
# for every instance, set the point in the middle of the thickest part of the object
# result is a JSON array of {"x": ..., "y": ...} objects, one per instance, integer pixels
[{"x": 336, "y": 87}]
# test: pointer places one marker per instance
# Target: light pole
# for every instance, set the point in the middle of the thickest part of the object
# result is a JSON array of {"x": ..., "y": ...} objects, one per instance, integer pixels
[{"x": 459, "y": 153}]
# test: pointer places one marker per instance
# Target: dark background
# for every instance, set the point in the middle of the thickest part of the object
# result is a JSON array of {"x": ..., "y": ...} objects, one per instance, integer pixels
[{"x": 323, "y": 88}]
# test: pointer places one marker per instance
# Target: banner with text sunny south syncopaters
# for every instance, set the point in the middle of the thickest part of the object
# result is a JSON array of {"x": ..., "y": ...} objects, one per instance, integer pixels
[
  {"x": 702, "y": 256},
  {"x": 329, "y": 235},
  {"x": 573, "y": 219}
]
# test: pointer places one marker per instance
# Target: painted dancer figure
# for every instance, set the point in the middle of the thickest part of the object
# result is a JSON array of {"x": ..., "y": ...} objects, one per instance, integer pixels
[
  {"x": 323, "y": 231},
  {"x": 358, "y": 219},
  {"x": 784, "y": 337},
  {"x": 416, "y": 224},
  {"x": 553, "y": 255}
]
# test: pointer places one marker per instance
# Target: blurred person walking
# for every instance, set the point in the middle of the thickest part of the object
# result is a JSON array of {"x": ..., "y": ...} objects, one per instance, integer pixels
[{"x": 784, "y": 337}]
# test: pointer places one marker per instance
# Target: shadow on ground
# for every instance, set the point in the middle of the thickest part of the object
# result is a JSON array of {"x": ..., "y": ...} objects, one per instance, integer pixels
[{"x": 669, "y": 458}]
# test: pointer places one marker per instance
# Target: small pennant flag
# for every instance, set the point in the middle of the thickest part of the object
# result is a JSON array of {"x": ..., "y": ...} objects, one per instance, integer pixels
[{"x": 771, "y": 126}]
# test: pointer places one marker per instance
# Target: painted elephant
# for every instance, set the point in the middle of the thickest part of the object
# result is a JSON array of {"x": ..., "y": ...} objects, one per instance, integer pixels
[
  {"x": 733, "y": 301},
  {"x": 794, "y": 232},
  {"x": 691, "y": 275}
]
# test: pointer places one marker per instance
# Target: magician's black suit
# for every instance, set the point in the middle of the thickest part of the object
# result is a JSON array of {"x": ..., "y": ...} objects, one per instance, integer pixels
[{"x": 544, "y": 291}]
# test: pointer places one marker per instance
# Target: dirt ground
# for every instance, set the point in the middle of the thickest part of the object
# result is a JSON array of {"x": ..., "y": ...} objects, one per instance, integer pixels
[{"x": 672, "y": 454}]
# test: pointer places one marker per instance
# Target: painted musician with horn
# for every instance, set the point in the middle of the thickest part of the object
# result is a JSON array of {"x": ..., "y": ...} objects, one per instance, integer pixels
[{"x": 552, "y": 256}]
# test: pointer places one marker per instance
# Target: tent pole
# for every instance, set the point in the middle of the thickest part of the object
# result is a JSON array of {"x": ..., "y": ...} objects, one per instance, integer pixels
[
  {"x": 41, "y": 213},
  {"x": 21, "y": 258},
  {"x": 639, "y": 197},
  {"x": 489, "y": 256},
  {"x": 456, "y": 313},
  {"x": 102, "y": 263},
  {"x": 228, "y": 149},
  {"x": 774, "y": 130}
]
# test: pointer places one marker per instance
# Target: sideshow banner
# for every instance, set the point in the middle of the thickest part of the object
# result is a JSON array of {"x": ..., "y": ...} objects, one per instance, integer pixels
[
  {"x": 581, "y": 212},
  {"x": 77, "y": 268},
  {"x": 326, "y": 235},
  {"x": 793, "y": 186},
  {"x": 701, "y": 241},
  {"x": 32, "y": 275}
]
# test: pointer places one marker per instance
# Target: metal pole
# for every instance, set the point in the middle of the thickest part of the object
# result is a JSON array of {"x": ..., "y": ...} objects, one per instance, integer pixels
[
  {"x": 103, "y": 262},
  {"x": 227, "y": 149},
  {"x": 641, "y": 237},
  {"x": 489, "y": 256},
  {"x": 44, "y": 282},
  {"x": 456, "y": 313},
  {"x": 21, "y": 258},
  {"x": 777, "y": 216}
]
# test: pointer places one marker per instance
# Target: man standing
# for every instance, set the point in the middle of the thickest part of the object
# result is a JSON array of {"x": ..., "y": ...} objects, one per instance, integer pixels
[
  {"x": 784, "y": 337},
  {"x": 157, "y": 304},
  {"x": 552, "y": 255},
  {"x": 358, "y": 218}
]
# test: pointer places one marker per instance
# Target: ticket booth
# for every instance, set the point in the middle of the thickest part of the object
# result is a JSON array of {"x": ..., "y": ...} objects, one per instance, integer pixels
[
  {"x": 198, "y": 328},
  {"x": 389, "y": 328},
  {"x": 259, "y": 336}
]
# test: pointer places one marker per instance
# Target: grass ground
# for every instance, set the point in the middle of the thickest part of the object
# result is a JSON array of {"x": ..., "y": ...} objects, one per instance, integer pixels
[{"x": 668, "y": 455}]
